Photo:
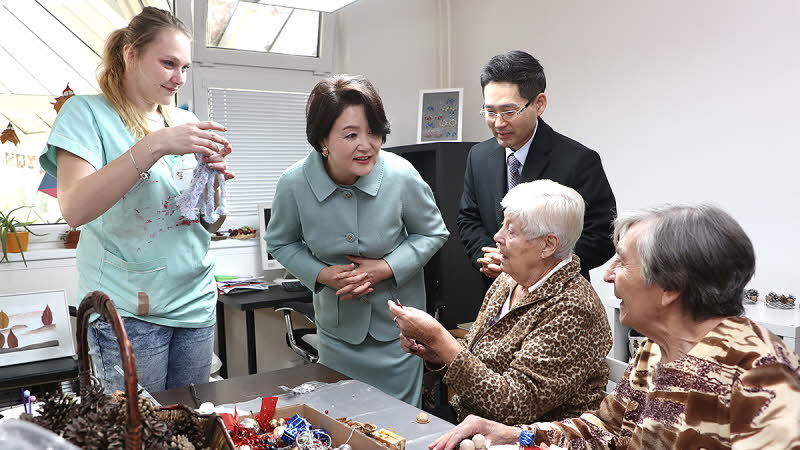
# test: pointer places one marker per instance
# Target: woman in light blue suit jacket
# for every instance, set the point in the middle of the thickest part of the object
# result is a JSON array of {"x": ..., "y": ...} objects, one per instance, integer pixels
[{"x": 356, "y": 225}]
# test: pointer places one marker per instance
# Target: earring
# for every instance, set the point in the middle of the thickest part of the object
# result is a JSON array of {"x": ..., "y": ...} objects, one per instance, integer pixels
[{"x": 325, "y": 152}]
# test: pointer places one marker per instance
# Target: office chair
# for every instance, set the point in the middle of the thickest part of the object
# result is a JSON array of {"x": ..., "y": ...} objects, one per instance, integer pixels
[{"x": 302, "y": 341}]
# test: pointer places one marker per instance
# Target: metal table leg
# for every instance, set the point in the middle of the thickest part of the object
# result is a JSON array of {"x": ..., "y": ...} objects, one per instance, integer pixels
[
  {"x": 222, "y": 349},
  {"x": 251, "y": 342}
]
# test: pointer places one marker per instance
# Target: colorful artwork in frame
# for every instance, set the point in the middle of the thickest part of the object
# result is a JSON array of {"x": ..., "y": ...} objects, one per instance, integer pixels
[
  {"x": 440, "y": 115},
  {"x": 34, "y": 326}
]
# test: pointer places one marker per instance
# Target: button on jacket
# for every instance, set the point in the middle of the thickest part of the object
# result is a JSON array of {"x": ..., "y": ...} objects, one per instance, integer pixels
[{"x": 389, "y": 213}]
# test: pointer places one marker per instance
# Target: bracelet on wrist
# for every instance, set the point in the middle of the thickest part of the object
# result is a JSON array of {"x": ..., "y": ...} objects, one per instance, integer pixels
[
  {"x": 152, "y": 155},
  {"x": 144, "y": 175},
  {"x": 444, "y": 366}
]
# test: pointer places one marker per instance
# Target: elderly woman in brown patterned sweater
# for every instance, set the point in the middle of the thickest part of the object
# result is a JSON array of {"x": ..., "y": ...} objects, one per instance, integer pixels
[
  {"x": 537, "y": 348},
  {"x": 705, "y": 377}
]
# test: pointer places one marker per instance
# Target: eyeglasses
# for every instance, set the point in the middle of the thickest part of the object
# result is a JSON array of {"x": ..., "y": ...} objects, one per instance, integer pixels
[{"x": 506, "y": 115}]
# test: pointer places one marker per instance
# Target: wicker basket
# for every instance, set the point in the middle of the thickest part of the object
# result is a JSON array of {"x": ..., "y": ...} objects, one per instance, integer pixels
[{"x": 217, "y": 437}]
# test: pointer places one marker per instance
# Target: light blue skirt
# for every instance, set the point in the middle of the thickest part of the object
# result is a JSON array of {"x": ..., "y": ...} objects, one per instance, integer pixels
[{"x": 383, "y": 365}]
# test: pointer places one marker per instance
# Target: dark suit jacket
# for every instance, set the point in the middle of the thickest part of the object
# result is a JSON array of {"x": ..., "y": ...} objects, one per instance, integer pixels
[{"x": 552, "y": 156}]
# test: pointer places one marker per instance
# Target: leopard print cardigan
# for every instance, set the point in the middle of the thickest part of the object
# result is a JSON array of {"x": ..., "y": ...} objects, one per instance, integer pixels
[{"x": 544, "y": 360}]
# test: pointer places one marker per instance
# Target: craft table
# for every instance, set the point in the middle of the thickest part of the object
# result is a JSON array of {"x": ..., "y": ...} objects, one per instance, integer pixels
[
  {"x": 341, "y": 397},
  {"x": 250, "y": 386},
  {"x": 249, "y": 302}
]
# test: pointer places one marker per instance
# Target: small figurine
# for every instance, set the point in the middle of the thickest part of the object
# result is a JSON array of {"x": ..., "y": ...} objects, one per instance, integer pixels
[
  {"x": 783, "y": 301},
  {"x": 750, "y": 296}
]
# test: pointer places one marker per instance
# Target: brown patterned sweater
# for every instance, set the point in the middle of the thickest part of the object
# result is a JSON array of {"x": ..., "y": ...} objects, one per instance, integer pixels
[
  {"x": 544, "y": 360},
  {"x": 739, "y": 387}
]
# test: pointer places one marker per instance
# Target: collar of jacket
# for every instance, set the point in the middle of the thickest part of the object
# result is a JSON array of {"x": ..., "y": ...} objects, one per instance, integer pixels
[
  {"x": 553, "y": 286},
  {"x": 323, "y": 186}
]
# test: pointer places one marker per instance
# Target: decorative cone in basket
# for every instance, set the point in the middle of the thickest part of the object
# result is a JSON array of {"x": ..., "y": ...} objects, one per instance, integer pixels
[{"x": 102, "y": 421}]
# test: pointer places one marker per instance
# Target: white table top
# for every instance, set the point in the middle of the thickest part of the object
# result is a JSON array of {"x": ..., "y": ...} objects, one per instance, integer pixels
[{"x": 783, "y": 322}]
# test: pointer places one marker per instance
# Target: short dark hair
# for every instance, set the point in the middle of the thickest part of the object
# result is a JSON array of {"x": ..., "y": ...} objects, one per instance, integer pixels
[
  {"x": 697, "y": 250},
  {"x": 332, "y": 95},
  {"x": 516, "y": 67}
]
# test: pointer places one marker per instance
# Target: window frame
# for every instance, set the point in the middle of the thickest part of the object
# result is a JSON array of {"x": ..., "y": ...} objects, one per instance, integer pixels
[{"x": 323, "y": 63}]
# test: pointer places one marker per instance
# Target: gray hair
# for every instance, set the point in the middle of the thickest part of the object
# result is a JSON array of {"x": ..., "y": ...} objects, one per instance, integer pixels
[
  {"x": 544, "y": 206},
  {"x": 697, "y": 250}
]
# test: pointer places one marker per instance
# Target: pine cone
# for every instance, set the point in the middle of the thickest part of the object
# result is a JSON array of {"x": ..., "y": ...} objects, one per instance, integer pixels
[
  {"x": 181, "y": 442},
  {"x": 87, "y": 433},
  {"x": 147, "y": 409},
  {"x": 191, "y": 427},
  {"x": 54, "y": 412},
  {"x": 155, "y": 434}
]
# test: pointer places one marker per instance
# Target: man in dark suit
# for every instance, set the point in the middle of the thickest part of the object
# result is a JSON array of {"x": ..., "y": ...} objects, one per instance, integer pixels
[{"x": 525, "y": 148}]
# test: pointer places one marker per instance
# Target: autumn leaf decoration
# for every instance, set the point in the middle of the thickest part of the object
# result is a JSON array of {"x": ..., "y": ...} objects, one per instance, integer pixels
[
  {"x": 61, "y": 100},
  {"x": 3, "y": 319},
  {"x": 47, "y": 316},
  {"x": 9, "y": 135},
  {"x": 12, "y": 340},
  {"x": 2, "y": 340}
]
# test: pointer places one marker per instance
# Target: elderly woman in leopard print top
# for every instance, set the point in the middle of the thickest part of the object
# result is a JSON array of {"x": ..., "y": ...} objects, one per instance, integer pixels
[{"x": 537, "y": 348}]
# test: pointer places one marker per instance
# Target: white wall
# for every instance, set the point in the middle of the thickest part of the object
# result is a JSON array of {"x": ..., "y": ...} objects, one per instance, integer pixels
[
  {"x": 395, "y": 45},
  {"x": 684, "y": 101}
]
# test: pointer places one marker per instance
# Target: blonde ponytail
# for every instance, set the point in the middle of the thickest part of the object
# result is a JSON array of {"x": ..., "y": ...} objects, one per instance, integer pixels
[{"x": 142, "y": 30}]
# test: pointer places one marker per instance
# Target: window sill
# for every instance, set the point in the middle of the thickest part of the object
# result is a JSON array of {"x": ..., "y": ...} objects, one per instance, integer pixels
[{"x": 54, "y": 250}]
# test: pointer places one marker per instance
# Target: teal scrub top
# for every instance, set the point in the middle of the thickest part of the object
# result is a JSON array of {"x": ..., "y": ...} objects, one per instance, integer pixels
[{"x": 142, "y": 244}]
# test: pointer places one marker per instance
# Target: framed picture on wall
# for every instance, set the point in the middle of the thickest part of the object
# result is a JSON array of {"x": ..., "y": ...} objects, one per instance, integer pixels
[
  {"x": 440, "y": 115},
  {"x": 34, "y": 326}
]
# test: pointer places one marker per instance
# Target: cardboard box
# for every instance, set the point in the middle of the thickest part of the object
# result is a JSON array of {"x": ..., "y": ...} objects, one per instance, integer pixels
[{"x": 338, "y": 431}]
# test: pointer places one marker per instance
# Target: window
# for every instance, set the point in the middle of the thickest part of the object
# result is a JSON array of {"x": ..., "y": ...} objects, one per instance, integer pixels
[
  {"x": 44, "y": 46},
  {"x": 263, "y": 34},
  {"x": 267, "y": 130},
  {"x": 258, "y": 27}
]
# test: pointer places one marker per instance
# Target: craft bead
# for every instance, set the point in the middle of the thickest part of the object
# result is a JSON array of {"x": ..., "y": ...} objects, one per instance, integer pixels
[
  {"x": 480, "y": 442},
  {"x": 467, "y": 444},
  {"x": 422, "y": 418}
]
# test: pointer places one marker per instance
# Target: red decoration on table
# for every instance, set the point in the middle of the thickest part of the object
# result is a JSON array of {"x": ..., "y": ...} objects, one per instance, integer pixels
[
  {"x": 267, "y": 412},
  {"x": 228, "y": 420}
]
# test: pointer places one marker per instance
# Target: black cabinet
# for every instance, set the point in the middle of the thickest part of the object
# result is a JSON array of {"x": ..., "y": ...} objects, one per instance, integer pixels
[{"x": 453, "y": 286}]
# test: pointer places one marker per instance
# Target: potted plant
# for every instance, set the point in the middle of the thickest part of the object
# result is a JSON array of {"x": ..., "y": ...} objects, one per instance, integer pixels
[
  {"x": 14, "y": 233},
  {"x": 70, "y": 237}
]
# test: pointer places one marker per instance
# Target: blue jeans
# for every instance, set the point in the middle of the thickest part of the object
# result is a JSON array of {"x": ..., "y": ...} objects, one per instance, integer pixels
[{"x": 166, "y": 357}]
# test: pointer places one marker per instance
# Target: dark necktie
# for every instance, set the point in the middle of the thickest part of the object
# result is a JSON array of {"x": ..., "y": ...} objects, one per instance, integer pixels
[{"x": 515, "y": 166}]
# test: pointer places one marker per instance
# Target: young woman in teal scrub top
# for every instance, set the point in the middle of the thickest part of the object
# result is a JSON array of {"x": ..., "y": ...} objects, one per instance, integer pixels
[
  {"x": 116, "y": 157},
  {"x": 356, "y": 225}
]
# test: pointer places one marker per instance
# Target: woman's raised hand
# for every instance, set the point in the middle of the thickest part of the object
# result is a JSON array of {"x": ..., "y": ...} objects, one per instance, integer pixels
[
  {"x": 416, "y": 324},
  {"x": 218, "y": 162},
  {"x": 193, "y": 137},
  {"x": 421, "y": 350}
]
